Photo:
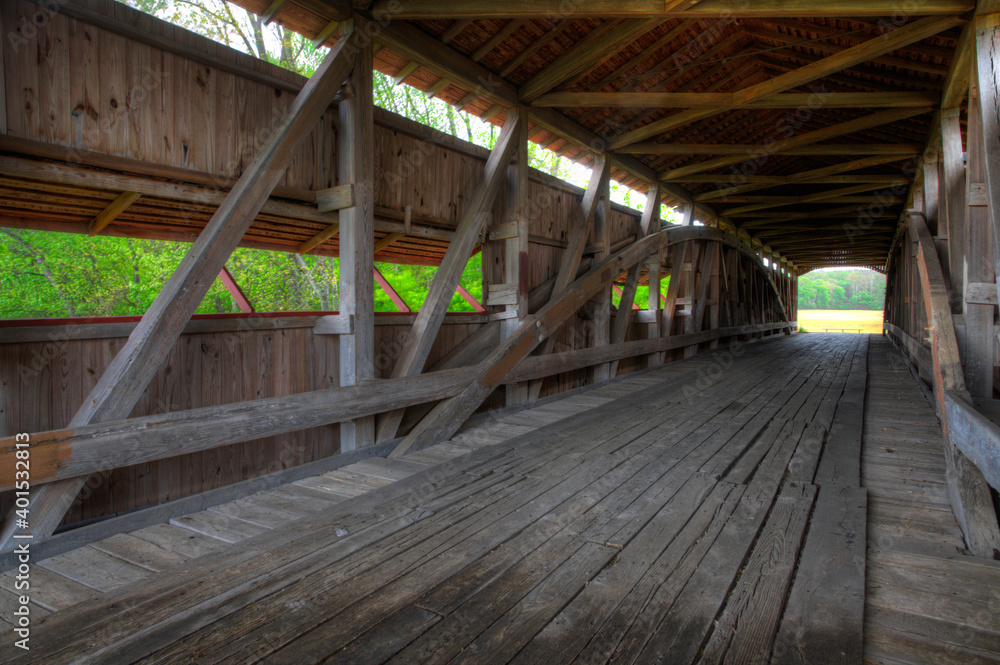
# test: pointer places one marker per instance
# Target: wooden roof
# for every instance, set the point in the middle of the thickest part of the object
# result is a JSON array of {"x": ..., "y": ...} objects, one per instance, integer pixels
[{"x": 800, "y": 123}]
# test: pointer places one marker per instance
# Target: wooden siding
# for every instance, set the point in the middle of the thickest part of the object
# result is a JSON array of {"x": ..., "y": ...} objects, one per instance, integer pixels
[{"x": 43, "y": 383}]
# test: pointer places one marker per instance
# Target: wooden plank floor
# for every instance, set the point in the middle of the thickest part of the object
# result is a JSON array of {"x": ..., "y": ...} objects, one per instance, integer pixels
[
  {"x": 927, "y": 600},
  {"x": 710, "y": 511},
  {"x": 90, "y": 571}
]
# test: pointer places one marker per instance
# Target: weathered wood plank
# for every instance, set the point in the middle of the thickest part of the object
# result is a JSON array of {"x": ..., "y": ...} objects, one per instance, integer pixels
[
  {"x": 122, "y": 383},
  {"x": 746, "y": 628},
  {"x": 89, "y": 448},
  {"x": 823, "y": 621},
  {"x": 139, "y": 552}
]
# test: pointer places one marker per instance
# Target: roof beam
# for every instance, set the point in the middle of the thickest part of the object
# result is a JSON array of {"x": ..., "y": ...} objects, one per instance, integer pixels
[
  {"x": 913, "y": 32},
  {"x": 713, "y": 9},
  {"x": 711, "y": 149},
  {"x": 494, "y": 41},
  {"x": 833, "y": 131},
  {"x": 810, "y": 224},
  {"x": 586, "y": 54},
  {"x": 826, "y": 48},
  {"x": 765, "y": 181},
  {"x": 115, "y": 208},
  {"x": 828, "y": 195},
  {"x": 813, "y": 176},
  {"x": 721, "y": 99}
]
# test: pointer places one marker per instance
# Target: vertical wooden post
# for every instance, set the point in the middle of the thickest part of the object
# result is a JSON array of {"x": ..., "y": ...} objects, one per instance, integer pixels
[
  {"x": 602, "y": 301},
  {"x": 653, "y": 306},
  {"x": 988, "y": 69},
  {"x": 931, "y": 188},
  {"x": 795, "y": 295},
  {"x": 979, "y": 266},
  {"x": 673, "y": 288},
  {"x": 650, "y": 223},
  {"x": 357, "y": 242},
  {"x": 952, "y": 211},
  {"x": 687, "y": 214},
  {"x": 714, "y": 292},
  {"x": 515, "y": 269}
]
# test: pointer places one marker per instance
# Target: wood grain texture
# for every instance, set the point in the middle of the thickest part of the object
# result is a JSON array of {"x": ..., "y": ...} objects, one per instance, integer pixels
[{"x": 125, "y": 379}]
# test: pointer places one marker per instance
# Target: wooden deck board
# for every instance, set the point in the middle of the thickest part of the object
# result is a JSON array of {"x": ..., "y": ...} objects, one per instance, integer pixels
[
  {"x": 925, "y": 597},
  {"x": 726, "y": 523}
]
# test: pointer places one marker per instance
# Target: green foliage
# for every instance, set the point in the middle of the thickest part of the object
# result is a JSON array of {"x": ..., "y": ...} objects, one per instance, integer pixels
[
  {"x": 842, "y": 289},
  {"x": 47, "y": 274}
]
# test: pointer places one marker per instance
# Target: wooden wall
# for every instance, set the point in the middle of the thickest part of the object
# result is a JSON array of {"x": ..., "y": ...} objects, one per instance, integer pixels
[
  {"x": 44, "y": 382},
  {"x": 74, "y": 84},
  {"x": 69, "y": 83}
]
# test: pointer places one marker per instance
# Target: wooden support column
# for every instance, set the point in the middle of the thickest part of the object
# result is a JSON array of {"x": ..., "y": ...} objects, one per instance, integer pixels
[
  {"x": 602, "y": 301},
  {"x": 795, "y": 296},
  {"x": 689, "y": 285},
  {"x": 473, "y": 220},
  {"x": 576, "y": 240},
  {"x": 704, "y": 288},
  {"x": 952, "y": 210},
  {"x": 988, "y": 69},
  {"x": 713, "y": 295},
  {"x": 979, "y": 265},
  {"x": 650, "y": 221},
  {"x": 125, "y": 379},
  {"x": 653, "y": 268},
  {"x": 515, "y": 268},
  {"x": 673, "y": 288},
  {"x": 355, "y": 151}
]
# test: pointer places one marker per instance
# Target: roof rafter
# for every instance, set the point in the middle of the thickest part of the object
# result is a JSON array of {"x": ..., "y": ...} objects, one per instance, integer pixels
[
  {"x": 811, "y": 176},
  {"x": 912, "y": 32},
  {"x": 436, "y": 9},
  {"x": 720, "y": 99},
  {"x": 586, "y": 54},
  {"x": 833, "y": 131}
]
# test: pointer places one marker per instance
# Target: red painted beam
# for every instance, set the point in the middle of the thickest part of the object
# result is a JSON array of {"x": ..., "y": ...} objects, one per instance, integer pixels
[
  {"x": 469, "y": 299},
  {"x": 235, "y": 291},
  {"x": 619, "y": 292},
  {"x": 391, "y": 292}
]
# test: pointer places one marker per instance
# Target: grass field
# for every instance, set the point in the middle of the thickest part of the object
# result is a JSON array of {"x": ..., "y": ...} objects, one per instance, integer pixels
[{"x": 818, "y": 320}]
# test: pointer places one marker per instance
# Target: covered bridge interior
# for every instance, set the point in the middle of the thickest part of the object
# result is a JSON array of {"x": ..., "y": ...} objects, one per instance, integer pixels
[{"x": 551, "y": 478}]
